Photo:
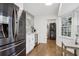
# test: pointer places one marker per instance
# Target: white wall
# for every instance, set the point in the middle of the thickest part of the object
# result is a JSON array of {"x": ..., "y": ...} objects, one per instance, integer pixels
[
  {"x": 41, "y": 14},
  {"x": 67, "y": 8},
  {"x": 40, "y": 24},
  {"x": 64, "y": 10},
  {"x": 58, "y": 31},
  {"x": 51, "y": 21}
]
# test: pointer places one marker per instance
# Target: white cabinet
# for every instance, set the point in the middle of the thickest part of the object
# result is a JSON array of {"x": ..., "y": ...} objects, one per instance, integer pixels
[
  {"x": 30, "y": 42},
  {"x": 27, "y": 43}
]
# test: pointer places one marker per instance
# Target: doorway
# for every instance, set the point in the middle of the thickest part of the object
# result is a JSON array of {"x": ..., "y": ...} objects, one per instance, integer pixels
[{"x": 52, "y": 31}]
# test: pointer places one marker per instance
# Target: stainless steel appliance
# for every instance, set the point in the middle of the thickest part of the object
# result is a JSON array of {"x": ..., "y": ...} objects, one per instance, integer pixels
[{"x": 10, "y": 43}]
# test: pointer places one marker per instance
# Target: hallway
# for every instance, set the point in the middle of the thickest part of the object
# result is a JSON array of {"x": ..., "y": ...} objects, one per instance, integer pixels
[{"x": 49, "y": 49}]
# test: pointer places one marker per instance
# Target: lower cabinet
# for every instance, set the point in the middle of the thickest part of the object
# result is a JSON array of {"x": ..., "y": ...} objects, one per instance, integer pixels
[{"x": 30, "y": 42}]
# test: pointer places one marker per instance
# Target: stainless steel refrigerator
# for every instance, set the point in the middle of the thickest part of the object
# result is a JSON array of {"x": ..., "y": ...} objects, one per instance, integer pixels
[{"x": 11, "y": 43}]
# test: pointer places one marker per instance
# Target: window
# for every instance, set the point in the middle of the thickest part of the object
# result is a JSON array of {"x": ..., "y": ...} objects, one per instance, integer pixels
[{"x": 66, "y": 26}]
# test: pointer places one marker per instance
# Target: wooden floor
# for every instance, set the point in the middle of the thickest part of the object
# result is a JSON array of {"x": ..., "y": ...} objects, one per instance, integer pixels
[{"x": 49, "y": 49}]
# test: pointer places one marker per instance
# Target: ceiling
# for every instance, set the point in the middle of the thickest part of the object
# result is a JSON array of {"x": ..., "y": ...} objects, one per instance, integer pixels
[{"x": 40, "y": 9}]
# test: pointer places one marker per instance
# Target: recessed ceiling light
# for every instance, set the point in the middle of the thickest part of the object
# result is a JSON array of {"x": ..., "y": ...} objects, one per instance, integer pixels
[{"x": 48, "y": 3}]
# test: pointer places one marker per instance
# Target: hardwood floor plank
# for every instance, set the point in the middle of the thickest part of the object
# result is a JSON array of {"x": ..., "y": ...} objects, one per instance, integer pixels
[{"x": 49, "y": 49}]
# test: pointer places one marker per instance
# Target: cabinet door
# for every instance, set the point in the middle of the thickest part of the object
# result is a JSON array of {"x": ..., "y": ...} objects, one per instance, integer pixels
[
  {"x": 32, "y": 42},
  {"x": 27, "y": 44}
]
